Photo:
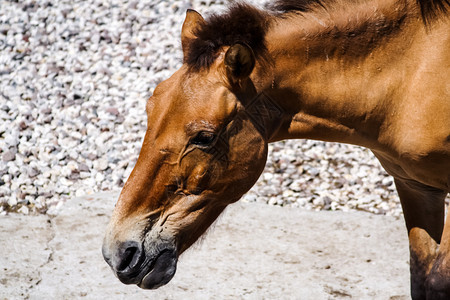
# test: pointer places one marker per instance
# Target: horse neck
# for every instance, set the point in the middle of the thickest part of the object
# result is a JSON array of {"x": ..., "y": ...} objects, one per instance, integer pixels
[{"x": 336, "y": 73}]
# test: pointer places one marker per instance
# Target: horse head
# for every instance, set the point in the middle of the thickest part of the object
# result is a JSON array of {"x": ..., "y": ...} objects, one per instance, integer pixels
[{"x": 202, "y": 151}]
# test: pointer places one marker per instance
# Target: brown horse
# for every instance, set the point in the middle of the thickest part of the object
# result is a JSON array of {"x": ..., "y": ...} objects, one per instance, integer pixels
[{"x": 374, "y": 73}]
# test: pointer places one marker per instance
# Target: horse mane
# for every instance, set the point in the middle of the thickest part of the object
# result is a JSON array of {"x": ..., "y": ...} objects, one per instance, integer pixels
[
  {"x": 243, "y": 23},
  {"x": 432, "y": 9},
  {"x": 285, "y": 6}
]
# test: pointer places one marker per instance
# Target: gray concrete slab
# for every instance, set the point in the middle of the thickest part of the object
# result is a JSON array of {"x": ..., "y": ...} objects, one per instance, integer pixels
[{"x": 254, "y": 251}]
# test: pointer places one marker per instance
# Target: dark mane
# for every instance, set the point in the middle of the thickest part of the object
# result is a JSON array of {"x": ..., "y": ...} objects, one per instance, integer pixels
[
  {"x": 285, "y": 6},
  {"x": 431, "y": 9},
  {"x": 243, "y": 23}
]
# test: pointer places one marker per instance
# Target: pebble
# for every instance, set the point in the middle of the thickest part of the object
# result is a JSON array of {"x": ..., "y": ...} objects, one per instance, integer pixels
[
  {"x": 75, "y": 78},
  {"x": 9, "y": 156},
  {"x": 23, "y": 210},
  {"x": 101, "y": 164}
]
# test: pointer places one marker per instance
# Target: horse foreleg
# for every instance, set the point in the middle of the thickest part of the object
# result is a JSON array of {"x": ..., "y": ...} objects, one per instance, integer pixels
[
  {"x": 438, "y": 281},
  {"x": 423, "y": 209},
  {"x": 423, "y": 251}
]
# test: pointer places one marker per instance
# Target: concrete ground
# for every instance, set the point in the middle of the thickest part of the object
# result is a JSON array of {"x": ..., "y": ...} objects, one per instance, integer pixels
[{"x": 254, "y": 251}]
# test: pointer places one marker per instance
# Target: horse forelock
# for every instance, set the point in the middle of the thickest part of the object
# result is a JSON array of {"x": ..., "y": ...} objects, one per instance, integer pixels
[{"x": 242, "y": 23}]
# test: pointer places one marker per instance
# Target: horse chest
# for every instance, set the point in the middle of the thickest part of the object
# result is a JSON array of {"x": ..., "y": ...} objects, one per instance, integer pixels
[{"x": 432, "y": 168}]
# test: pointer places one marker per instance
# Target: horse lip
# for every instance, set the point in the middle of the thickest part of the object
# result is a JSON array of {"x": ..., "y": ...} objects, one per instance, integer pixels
[{"x": 160, "y": 270}]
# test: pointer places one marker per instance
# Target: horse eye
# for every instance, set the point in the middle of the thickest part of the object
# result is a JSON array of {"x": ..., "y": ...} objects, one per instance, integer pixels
[{"x": 203, "y": 138}]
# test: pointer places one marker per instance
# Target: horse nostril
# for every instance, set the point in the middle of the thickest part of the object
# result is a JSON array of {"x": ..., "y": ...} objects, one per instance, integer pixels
[{"x": 128, "y": 256}]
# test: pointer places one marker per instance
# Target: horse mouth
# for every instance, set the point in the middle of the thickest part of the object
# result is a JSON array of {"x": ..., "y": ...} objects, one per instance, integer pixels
[{"x": 160, "y": 270}]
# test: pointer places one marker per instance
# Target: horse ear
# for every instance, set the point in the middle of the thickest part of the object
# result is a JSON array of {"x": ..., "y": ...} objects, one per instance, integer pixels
[
  {"x": 193, "y": 21},
  {"x": 239, "y": 61}
]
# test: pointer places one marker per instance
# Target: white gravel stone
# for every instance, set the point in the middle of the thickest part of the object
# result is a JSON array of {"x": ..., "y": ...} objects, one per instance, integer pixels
[{"x": 23, "y": 210}]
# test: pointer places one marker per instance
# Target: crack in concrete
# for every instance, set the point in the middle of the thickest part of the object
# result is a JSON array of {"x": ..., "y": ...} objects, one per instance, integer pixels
[
  {"x": 51, "y": 228},
  {"x": 52, "y": 237}
]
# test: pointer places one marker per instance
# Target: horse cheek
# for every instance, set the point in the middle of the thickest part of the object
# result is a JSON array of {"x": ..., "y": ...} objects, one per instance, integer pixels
[{"x": 249, "y": 158}]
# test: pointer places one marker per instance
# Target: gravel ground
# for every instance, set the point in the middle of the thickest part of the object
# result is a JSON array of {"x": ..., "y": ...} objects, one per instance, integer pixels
[{"x": 74, "y": 80}]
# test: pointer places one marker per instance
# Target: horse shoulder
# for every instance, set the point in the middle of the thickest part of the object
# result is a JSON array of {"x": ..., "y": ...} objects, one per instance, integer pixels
[{"x": 419, "y": 151}]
